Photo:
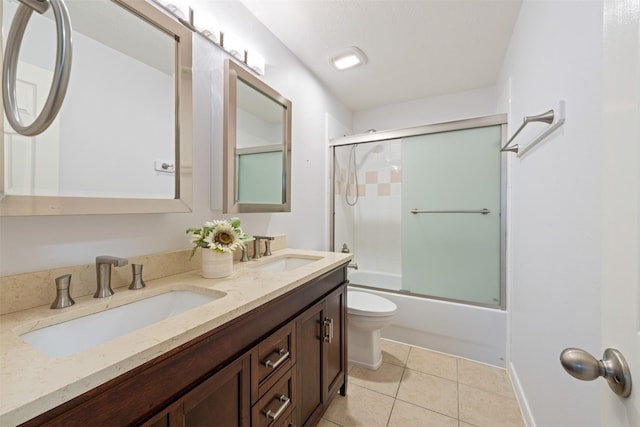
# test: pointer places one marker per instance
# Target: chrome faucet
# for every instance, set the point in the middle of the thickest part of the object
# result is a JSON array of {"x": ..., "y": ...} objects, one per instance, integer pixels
[
  {"x": 103, "y": 271},
  {"x": 267, "y": 246}
]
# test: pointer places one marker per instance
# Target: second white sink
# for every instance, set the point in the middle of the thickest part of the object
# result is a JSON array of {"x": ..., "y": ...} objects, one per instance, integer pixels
[{"x": 82, "y": 333}]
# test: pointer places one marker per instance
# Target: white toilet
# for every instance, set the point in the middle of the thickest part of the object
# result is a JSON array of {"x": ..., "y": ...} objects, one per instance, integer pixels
[{"x": 367, "y": 314}]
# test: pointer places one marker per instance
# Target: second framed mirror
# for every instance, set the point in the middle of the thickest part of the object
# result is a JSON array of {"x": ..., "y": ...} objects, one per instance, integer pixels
[{"x": 257, "y": 145}]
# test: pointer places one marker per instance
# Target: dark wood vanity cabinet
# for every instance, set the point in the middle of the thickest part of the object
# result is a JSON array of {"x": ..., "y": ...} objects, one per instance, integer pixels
[{"x": 278, "y": 365}]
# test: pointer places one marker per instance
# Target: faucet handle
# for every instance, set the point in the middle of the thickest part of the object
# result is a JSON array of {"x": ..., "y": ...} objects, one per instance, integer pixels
[
  {"x": 136, "y": 282},
  {"x": 245, "y": 255},
  {"x": 63, "y": 299}
]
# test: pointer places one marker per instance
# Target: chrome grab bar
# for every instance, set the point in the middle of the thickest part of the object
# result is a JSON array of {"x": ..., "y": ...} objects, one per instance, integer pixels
[
  {"x": 481, "y": 211},
  {"x": 62, "y": 68}
]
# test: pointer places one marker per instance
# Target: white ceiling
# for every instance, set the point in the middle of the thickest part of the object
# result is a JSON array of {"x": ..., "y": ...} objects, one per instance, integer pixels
[{"x": 415, "y": 48}]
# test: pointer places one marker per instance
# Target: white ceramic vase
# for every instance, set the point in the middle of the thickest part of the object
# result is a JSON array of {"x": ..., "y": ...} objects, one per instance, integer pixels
[{"x": 215, "y": 264}]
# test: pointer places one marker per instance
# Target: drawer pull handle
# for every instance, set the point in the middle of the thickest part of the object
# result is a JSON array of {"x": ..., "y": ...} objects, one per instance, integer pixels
[
  {"x": 285, "y": 402},
  {"x": 284, "y": 355}
]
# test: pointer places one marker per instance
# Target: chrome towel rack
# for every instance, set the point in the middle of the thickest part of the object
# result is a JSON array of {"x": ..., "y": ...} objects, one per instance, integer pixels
[
  {"x": 62, "y": 67},
  {"x": 546, "y": 117},
  {"x": 480, "y": 211}
]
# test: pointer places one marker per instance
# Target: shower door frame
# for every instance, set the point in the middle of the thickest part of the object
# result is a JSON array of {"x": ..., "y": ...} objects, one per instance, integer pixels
[{"x": 477, "y": 122}]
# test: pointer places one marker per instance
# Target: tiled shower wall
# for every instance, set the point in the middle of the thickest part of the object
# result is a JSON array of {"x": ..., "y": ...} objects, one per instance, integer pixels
[{"x": 371, "y": 228}]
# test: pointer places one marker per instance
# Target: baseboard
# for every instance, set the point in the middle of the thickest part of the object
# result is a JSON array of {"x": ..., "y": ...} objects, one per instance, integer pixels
[{"x": 527, "y": 415}]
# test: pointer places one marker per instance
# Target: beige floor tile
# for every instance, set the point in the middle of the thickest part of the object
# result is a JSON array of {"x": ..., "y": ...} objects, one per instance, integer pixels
[
  {"x": 430, "y": 392},
  {"x": 385, "y": 379},
  {"x": 463, "y": 424},
  {"x": 434, "y": 363},
  {"x": 360, "y": 408},
  {"x": 485, "y": 377},
  {"x": 407, "y": 415},
  {"x": 485, "y": 409},
  {"x": 394, "y": 352},
  {"x": 326, "y": 423}
]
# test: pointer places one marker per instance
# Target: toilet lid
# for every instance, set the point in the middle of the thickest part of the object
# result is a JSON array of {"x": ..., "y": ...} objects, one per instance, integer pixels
[{"x": 366, "y": 304}]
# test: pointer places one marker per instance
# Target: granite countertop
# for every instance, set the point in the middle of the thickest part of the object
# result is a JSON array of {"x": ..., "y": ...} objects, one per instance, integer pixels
[{"x": 32, "y": 383}]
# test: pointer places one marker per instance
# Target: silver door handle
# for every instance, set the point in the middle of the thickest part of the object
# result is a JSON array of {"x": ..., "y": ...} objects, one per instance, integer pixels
[
  {"x": 613, "y": 367},
  {"x": 328, "y": 330}
]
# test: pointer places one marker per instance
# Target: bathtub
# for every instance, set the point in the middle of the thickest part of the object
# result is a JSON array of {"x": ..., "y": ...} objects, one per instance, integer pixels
[{"x": 477, "y": 333}]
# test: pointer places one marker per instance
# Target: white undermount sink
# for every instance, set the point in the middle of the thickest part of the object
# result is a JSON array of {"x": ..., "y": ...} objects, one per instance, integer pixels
[
  {"x": 286, "y": 263},
  {"x": 82, "y": 333}
]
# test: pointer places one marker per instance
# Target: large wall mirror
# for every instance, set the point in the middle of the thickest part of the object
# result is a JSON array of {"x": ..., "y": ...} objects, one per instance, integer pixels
[
  {"x": 121, "y": 142},
  {"x": 257, "y": 145}
]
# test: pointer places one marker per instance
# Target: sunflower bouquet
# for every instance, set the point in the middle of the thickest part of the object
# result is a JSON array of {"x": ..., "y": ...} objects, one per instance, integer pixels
[{"x": 221, "y": 236}]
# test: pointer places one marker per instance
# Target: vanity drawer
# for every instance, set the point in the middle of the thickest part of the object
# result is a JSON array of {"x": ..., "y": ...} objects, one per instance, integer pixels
[
  {"x": 287, "y": 421},
  {"x": 271, "y": 358},
  {"x": 275, "y": 408}
]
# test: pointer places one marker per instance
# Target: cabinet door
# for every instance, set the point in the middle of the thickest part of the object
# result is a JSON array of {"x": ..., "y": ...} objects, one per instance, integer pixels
[
  {"x": 309, "y": 363},
  {"x": 322, "y": 355},
  {"x": 222, "y": 400},
  {"x": 335, "y": 352}
]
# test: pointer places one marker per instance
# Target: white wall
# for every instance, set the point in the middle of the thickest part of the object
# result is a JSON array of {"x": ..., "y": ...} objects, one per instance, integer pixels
[
  {"x": 554, "y": 242},
  {"x": 36, "y": 243},
  {"x": 436, "y": 109},
  {"x": 374, "y": 222}
]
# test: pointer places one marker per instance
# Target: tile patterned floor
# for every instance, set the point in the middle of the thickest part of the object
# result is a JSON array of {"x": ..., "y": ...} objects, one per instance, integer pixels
[{"x": 415, "y": 387}]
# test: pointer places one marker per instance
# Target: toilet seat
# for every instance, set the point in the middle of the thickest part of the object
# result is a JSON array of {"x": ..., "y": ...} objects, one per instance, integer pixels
[{"x": 366, "y": 304}]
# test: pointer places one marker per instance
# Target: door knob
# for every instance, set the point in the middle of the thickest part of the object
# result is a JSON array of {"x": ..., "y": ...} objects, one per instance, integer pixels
[{"x": 613, "y": 367}]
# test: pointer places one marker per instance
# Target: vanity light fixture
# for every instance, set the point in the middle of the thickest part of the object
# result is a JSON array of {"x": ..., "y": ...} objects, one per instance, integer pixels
[
  {"x": 232, "y": 44},
  {"x": 349, "y": 58},
  {"x": 255, "y": 61},
  {"x": 206, "y": 25},
  {"x": 197, "y": 19},
  {"x": 178, "y": 8}
]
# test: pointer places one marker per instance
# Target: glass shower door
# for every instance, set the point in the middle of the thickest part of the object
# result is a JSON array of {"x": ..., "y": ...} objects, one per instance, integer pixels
[{"x": 452, "y": 255}]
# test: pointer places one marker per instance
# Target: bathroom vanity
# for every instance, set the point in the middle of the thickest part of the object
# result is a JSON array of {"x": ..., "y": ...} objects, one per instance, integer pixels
[{"x": 276, "y": 359}]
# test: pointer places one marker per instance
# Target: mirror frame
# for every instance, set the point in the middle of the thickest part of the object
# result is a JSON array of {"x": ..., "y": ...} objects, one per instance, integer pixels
[
  {"x": 11, "y": 205},
  {"x": 233, "y": 72}
]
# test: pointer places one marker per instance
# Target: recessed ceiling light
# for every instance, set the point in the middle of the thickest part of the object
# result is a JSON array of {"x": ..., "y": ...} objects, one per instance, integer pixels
[{"x": 349, "y": 58}]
